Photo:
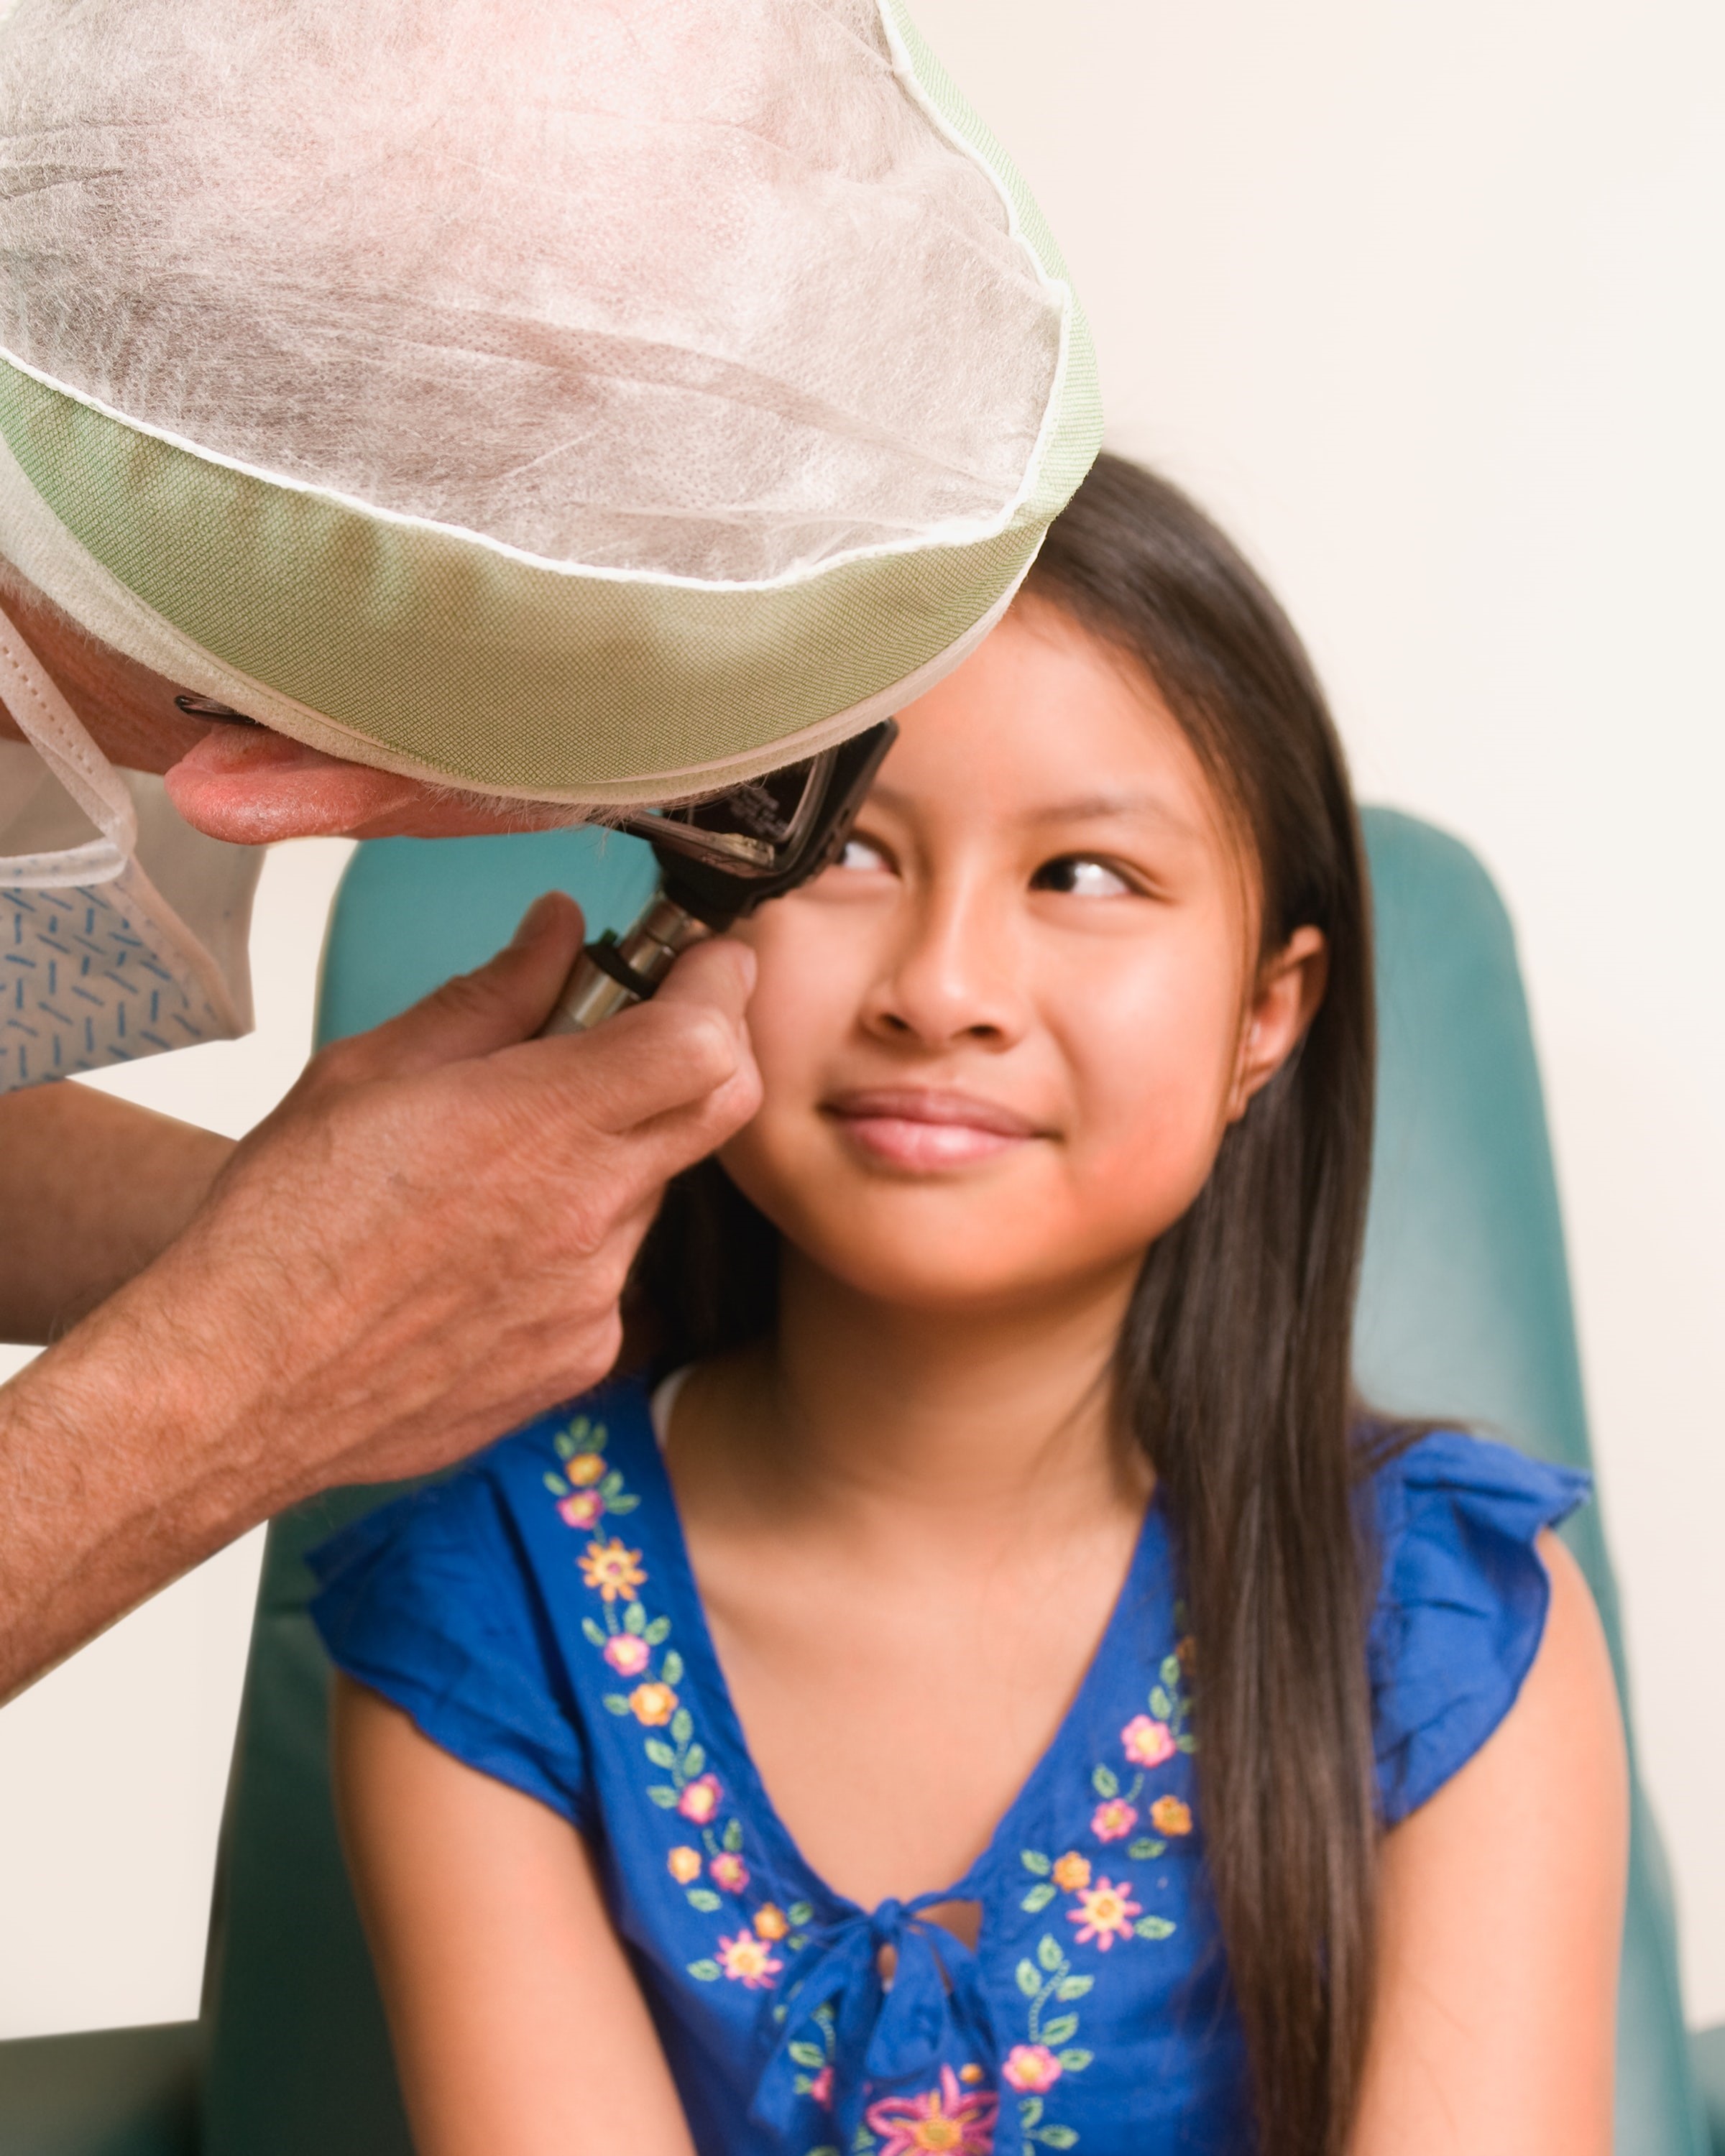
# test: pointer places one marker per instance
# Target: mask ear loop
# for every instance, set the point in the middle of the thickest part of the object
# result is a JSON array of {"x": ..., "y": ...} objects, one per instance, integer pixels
[{"x": 58, "y": 737}]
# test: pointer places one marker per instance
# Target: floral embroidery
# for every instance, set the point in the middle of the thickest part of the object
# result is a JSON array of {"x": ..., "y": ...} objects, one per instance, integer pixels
[
  {"x": 1105, "y": 1913},
  {"x": 815, "y": 2059},
  {"x": 1071, "y": 1874},
  {"x": 1031, "y": 2068},
  {"x": 613, "y": 1570},
  {"x": 1168, "y": 1701},
  {"x": 1113, "y": 1820},
  {"x": 1102, "y": 1910},
  {"x": 1050, "y": 1987},
  {"x": 628, "y": 1655},
  {"x": 698, "y": 1799},
  {"x": 586, "y": 1488},
  {"x": 749, "y": 1961},
  {"x": 653, "y": 1704},
  {"x": 945, "y": 2119},
  {"x": 1148, "y": 1743}
]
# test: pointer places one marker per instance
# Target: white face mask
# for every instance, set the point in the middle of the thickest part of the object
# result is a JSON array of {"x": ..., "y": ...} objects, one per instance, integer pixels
[{"x": 96, "y": 967}]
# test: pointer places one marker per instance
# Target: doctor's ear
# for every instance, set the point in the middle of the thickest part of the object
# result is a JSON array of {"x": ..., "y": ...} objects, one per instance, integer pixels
[{"x": 1289, "y": 989}]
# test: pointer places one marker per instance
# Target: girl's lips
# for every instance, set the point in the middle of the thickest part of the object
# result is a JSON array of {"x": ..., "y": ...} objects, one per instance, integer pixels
[{"x": 908, "y": 1129}]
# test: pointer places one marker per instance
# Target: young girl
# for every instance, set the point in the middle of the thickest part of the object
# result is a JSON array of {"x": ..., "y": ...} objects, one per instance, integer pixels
[{"x": 991, "y": 1688}]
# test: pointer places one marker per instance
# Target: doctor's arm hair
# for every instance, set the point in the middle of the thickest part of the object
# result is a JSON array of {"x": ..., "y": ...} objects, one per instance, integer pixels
[{"x": 92, "y": 1190}]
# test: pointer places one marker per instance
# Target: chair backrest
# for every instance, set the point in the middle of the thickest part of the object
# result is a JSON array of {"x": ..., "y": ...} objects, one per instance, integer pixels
[{"x": 1465, "y": 1312}]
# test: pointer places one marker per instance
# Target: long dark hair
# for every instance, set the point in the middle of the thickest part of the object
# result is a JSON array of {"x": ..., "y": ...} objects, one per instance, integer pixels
[{"x": 1232, "y": 1367}]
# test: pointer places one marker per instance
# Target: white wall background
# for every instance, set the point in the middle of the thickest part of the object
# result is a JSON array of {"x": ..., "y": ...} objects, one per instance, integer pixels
[{"x": 1425, "y": 304}]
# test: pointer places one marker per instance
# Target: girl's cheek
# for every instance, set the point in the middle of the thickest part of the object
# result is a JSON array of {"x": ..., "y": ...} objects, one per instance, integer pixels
[
  {"x": 814, "y": 966},
  {"x": 1151, "y": 1066},
  {"x": 801, "y": 1010}
]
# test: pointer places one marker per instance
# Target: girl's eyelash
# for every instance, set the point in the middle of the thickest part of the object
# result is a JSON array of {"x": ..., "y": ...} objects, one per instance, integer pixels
[{"x": 1049, "y": 877}]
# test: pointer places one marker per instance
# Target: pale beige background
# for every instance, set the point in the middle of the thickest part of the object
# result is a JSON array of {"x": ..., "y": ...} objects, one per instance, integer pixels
[{"x": 1425, "y": 304}]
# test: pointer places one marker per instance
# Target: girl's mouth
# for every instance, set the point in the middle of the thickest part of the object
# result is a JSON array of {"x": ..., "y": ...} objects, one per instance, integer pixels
[{"x": 914, "y": 1128}]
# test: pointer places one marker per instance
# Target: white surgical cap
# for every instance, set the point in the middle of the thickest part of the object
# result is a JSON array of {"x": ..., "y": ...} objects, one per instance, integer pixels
[{"x": 585, "y": 400}]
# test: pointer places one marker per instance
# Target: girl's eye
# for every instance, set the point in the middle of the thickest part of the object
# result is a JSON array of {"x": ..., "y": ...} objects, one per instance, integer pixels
[
  {"x": 858, "y": 853},
  {"x": 1081, "y": 877}
]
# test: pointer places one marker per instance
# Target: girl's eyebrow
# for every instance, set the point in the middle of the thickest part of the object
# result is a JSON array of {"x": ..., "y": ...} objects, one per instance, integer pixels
[
  {"x": 1087, "y": 808},
  {"x": 1082, "y": 809}
]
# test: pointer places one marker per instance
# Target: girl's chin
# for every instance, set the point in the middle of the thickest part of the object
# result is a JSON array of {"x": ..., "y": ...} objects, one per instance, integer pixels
[
  {"x": 911, "y": 1265},
  {"x": 1001, "y": 1232}
]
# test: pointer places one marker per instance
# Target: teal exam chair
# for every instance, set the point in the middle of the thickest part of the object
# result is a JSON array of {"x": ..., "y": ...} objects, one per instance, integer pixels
[{"x": 1465, "y": 1312}]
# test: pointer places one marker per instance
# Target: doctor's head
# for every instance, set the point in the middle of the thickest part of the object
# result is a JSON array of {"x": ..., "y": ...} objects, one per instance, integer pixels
[{"x": 564, "y": 406}]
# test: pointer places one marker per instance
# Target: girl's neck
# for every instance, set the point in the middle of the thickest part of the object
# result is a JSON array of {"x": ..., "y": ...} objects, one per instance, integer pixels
[{"x": 860, "y": 1407}]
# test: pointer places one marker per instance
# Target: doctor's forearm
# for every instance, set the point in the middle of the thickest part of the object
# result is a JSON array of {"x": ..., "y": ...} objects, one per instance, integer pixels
[
  {"x": 91, "y": 1190},
  {"x": 106, "y": 1488},
  {"x": 424, "y": 1244}
]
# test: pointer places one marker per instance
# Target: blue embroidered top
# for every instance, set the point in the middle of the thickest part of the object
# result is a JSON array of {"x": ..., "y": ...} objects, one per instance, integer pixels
[{"x": 537, "y": 1617}]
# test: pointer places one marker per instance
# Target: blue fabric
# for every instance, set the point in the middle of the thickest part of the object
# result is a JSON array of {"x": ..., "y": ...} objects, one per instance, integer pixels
[{"x": 537, "y": 1618}]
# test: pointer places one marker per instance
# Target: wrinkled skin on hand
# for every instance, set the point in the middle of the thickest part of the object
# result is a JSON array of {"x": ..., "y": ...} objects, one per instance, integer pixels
[{"x": 423, "y": 1245}]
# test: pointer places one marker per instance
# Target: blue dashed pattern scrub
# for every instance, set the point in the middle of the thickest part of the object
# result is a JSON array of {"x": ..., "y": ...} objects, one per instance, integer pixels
[{"x": 537, "y": 1618}]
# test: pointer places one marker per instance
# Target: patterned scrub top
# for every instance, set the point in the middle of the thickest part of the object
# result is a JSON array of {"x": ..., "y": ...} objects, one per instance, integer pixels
[{"x": 536, "y": 1616}]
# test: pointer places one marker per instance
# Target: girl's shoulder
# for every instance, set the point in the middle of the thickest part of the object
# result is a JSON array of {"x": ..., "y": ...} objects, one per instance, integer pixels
[
  {"x": 582, "y": 1463},
  {"x": 442, "y": 1598},
  {"x": 1462, "y": 1600}
]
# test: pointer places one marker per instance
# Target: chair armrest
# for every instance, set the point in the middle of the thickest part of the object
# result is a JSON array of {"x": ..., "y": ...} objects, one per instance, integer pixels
[{"x": 102, "y": 2093}]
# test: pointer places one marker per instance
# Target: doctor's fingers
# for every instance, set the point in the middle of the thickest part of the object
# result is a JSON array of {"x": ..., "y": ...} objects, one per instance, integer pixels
[
  {"x": 683, "y": 1049},
  {"x": 611, "y": 1117},
  {"x": 553, "y": 1179},
  {"x": 503, "y": 1002},
  {"x": 679, "y": 1051}
]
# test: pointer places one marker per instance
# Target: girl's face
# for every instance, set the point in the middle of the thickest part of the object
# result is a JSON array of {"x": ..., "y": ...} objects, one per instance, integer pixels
[{"x": 1001, "y": 1040}]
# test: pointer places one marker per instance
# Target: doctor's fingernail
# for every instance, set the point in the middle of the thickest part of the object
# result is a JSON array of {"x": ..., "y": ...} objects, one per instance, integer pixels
[{"x": 534, "y": 918}]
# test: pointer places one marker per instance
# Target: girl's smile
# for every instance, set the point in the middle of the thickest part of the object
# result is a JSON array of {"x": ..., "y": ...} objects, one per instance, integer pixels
[{"x": 924, "y": 1131}]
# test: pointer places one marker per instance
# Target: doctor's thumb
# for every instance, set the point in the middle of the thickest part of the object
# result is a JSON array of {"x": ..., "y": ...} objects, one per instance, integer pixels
[{"x": 503, "y": 1002}]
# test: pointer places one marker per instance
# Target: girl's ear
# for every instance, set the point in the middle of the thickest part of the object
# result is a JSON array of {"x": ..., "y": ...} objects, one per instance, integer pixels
[{"x": 1291, "y": 986}]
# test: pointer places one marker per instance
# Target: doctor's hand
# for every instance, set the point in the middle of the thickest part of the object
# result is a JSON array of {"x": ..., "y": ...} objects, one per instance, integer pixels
[{"x": 423, "y": 1245}]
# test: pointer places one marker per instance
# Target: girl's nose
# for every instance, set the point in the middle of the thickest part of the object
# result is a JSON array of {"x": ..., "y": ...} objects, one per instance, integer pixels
[{"x": 951, "y": 977}]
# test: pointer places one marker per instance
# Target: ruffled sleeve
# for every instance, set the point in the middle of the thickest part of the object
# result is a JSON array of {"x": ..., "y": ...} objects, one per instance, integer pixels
[
  {"x": 428, "y": 1601},
  {"x": 1461, "y": 1603}
]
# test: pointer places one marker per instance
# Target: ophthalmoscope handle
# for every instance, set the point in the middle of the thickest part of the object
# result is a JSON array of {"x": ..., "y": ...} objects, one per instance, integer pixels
[{"x": 614, "y": 973}]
